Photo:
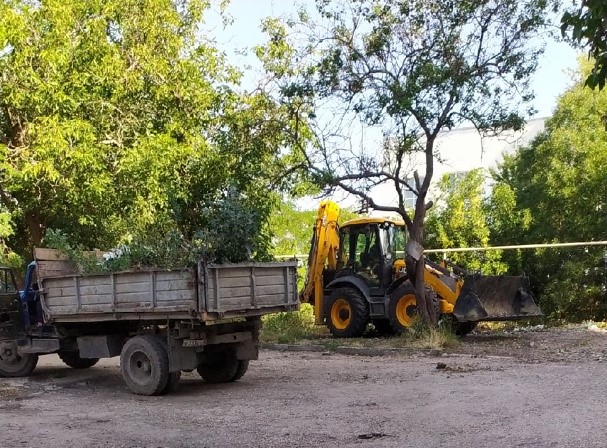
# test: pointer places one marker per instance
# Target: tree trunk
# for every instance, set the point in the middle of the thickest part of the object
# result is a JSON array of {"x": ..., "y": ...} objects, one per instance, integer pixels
[
  {"x": 33, "y": 221},
  {"x": 425, "y": 308}
]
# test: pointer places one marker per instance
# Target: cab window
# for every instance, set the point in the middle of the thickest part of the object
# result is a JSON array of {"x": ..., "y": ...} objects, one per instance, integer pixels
[
  {"x": 343, "y": 257},
  {"x": 7, "y": 285},
  {"x": 396, "y": 241}
]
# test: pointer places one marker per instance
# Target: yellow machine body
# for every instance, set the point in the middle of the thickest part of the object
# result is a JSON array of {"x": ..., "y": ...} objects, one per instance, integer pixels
[{"x": 347, "y": 294}]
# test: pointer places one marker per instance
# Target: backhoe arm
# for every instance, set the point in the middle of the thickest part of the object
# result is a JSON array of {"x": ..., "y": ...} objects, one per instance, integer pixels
[{"x": 323, "y": 255}]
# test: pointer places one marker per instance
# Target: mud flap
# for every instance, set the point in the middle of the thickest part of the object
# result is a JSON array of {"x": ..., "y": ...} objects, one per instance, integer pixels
[{"x": 495, "y": 298}]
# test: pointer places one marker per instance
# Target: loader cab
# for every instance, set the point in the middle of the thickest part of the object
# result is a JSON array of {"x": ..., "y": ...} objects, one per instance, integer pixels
[
  {"x": 11, "y": 322},
  {"x": 369, "y": 248}
]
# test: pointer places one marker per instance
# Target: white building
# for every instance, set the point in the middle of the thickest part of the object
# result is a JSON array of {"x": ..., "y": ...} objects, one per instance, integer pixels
[{"x": 462, "y": 150}]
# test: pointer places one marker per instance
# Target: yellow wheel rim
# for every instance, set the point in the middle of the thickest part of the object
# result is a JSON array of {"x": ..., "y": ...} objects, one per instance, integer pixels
[
  {"x": 341, "y": 314},
  {"x": 406, "y": 309}
]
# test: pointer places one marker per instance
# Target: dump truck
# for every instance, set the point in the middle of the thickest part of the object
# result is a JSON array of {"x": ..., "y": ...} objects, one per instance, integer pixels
[
  {"x": 159, "y": 321},
  {"x": 357, "y": 274}
]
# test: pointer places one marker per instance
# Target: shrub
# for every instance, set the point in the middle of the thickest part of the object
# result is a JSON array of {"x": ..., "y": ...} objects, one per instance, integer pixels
[{"x": 290, "y": 327}]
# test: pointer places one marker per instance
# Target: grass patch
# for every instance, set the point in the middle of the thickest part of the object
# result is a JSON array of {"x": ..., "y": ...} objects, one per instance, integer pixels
[
  {"x": 291, "y": 327},
  {"x": 298, "y": 328},
  {"x": 420, "y": 336},
  {"x": 437, "y": 338}
]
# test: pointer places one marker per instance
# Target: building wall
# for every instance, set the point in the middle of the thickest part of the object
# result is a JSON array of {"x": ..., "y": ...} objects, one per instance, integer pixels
[{"x": 460, "y": 151}]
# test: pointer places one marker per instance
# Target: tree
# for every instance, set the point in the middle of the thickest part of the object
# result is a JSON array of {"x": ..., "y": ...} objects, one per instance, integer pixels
[
  {"x": 292, "y": 229},
  {"x": 461, "y": 219},
  {"x": 557, "y": 193},
  {"x": 7, "y": 257},
  {"x": 586, "y": 25},
  {"x": 410, "y": 69},
  {"x": 120, "y": 119}
]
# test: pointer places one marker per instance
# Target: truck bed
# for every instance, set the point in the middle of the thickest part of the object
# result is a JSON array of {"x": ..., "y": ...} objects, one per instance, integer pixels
[{"x": 206, "y": 292}]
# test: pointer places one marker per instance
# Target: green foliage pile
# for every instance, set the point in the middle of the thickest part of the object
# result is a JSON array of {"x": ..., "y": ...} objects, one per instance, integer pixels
[{"x": 230, "y": 232}]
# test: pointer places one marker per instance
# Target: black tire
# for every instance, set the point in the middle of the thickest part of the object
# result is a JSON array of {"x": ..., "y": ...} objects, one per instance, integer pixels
[
  {"x": 402, "y": 308},
  {"x": 432, "y": 297},
  {"x": 463, "y": 328},
  {"x": 144, "y": 364},
  {"x": 346, "y": 313},
  {"x": 174, "y": 377},
  {"x": 13, "y": 365},
  {"x": 383, "y": 327},
  {"x": 243, "y": 365},
  {"x": 172, "y": 383},
  {"x": 221, "y": 367},
  {"x": 73, "y": 360}
]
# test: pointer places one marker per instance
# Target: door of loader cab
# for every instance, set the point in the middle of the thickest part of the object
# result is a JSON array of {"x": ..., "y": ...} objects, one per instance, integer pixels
[
  {"x": 363, "y": 252},
  {"x": 11, "y": 312}
]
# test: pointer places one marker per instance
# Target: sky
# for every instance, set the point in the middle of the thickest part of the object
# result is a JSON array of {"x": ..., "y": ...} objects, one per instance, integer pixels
[{"x": 552, "y": 78}]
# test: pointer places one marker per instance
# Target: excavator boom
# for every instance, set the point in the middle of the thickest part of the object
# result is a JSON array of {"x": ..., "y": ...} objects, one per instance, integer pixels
[{"x": 323, "y": 255}]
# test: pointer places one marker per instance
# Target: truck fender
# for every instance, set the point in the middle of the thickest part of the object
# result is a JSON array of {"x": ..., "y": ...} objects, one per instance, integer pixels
[{"x": 351, "y": 280}]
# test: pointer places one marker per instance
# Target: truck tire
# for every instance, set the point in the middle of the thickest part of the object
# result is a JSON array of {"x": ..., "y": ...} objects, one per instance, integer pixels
[
  {"x": 174, "y": 377},
  {"x": 243, "y": 365},
  {"x": 73, "y": 360},
  {"x": 346, "y": 313},
  {"x": 221, "y": 367},
  {"x": 13, "y": 365},
  {"x": 402, "y": 308},
  {"x": 144, "y": 364},
  {"x": 172, "y": 383}
]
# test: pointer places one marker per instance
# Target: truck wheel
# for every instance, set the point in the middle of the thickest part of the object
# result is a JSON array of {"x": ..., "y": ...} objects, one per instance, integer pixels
[
  {"x": 73, "y": 360},
  {"x": 222, "y": 367},
  {"x": 174, "y": 377},
  {"x": 347, "y": 313},
  {"x": 172, "y": 383},
  {"x": 243, "y": 365},
  {"x": 402, "y": 308},
  {"x": 12, "y": 364},
  {"x": 144, "y": 364}
]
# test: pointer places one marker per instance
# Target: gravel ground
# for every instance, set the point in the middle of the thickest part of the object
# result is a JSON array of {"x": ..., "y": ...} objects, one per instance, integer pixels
[{"x": 543, "y": 388}]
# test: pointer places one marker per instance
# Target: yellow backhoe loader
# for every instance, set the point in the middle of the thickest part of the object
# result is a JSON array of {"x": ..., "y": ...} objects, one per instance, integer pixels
[{"x": 356, "y": 275}]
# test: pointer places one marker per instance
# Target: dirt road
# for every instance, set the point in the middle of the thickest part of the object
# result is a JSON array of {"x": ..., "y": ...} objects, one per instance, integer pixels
[{"x": 525, "y": 389}]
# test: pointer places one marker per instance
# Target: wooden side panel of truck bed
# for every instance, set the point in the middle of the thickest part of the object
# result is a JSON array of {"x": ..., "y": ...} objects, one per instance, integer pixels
[
  {"x": 124, "y": 292},
  {"x": 207, "y": 292},
  {"x": 244, "y": 286}
]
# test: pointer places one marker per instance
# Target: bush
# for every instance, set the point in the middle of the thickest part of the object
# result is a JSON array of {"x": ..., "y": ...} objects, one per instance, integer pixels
[
  {"x": 576, "y": 293},
  {"x": 290, "y": 327}
]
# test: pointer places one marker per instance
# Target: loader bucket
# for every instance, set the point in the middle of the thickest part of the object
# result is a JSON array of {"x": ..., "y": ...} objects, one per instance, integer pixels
[{"x": 495, "y": 298}]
